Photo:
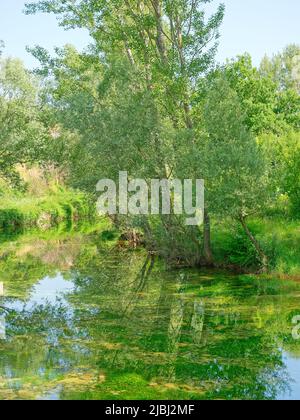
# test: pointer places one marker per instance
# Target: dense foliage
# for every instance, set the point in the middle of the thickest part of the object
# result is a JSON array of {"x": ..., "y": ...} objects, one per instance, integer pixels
[{"x": 146, "y": 97}]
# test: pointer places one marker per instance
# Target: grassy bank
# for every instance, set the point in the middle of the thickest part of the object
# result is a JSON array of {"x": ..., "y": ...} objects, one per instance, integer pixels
[
  {"x": 56, "y": 206},
  {"x": 280, "y": 239},
  {"x": 59, "y": 206}
]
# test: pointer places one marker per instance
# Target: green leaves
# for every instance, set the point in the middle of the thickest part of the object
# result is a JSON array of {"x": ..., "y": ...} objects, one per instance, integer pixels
[
  {"x": 19, "y": 125},
  {"x": 283, "y": 68},
  {"x": 235, "y": 169}
]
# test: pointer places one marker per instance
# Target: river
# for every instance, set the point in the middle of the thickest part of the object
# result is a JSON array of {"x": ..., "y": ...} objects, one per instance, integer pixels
[{"x": 80, "y": 319}]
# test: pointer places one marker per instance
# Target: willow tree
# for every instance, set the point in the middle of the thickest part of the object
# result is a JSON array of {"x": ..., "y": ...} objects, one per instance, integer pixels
[
  {"x": 169, "y": 42},
  {"x": 168, "y": 46},
  {"x": 236, "y": 172}
]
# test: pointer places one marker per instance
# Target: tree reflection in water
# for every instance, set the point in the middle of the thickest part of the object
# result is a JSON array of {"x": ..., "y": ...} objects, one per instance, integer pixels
[{"x": 128, "y": 328}]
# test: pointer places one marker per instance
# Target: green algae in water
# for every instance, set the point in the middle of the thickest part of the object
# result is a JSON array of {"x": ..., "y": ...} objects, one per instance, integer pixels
[{"x": 84, "y": 321}]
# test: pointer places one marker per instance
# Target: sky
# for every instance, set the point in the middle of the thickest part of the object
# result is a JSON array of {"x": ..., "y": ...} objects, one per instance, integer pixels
[{"x": 256, "y": 26}]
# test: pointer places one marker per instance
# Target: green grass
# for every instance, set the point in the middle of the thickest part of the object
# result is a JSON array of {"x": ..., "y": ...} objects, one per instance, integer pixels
[
  {"x": 56, "y": 206},
  {"x": 279, "y": 237}
]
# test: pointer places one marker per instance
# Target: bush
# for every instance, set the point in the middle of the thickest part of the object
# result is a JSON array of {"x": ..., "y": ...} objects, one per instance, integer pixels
[{"x": 238, "y": 250}]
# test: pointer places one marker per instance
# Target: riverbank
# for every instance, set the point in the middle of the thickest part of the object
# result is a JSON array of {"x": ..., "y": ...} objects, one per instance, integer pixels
[
  {"x": 45, "y": 211},
  {"x": 278, "y": 236}
]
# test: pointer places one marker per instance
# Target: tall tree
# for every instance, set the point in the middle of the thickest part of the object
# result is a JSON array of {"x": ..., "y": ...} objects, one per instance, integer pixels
[
  {"x": 235, "y": 169},
  {"x": 170, "y": 43},
  {"x": 168, "y": 46},
  {"x": 284, "y": 68}
]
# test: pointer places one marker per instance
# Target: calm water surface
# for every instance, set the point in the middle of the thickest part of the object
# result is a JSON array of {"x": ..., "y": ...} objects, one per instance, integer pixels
[{"x": 86, "y": 321}]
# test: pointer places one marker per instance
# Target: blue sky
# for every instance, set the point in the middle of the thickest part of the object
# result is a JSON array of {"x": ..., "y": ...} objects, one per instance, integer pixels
[{"x": 255, "y": 26}]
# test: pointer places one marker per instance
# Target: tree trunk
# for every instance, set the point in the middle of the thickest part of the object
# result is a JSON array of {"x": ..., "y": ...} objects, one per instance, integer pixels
[
  {"x": 160, "y": 38},
  {"x": 207, "y": 240},
  {"x": 255, "y": 243}
]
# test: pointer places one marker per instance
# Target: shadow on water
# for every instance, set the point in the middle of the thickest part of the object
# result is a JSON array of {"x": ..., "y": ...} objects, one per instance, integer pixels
[{"x": 85, "y": 321}]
